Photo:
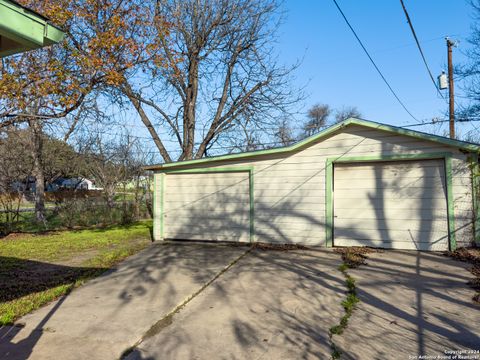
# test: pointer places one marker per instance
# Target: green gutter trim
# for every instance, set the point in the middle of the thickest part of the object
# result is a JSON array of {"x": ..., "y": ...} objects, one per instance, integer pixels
[
  {"x": 53, "y": 35},
  {"x": 325, "y": 133},
  {"x": 229, "y": 169},
  {"x": 329, "y": 189},
  {"x": 209, "y": 170},
  {"x": 24, "y": 29}
]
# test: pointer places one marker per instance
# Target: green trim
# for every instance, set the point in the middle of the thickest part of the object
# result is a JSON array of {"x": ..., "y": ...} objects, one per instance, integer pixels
[
  {"x": 162, "y": 205},
  {"x": 475, "y": 193},
  {"x": 209, "y": 170},
  {"x": 53, "y": 35},
  {"x": 23, "y": 29},
  {"x": 229, "y": 169},
  {"x": 329, "y": 203},
  {"x": 394, "y": 157},
  {"x": 450, "y": 203},
  {"x": 154, "y": 207},
  {"x": 252, "y": 205},
  {"x": 329, "y": 187},
  {"x": 325, "y": 133}
]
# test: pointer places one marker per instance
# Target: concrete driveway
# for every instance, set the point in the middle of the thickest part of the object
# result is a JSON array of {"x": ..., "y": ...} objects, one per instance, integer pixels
[
  {"x": 212, "y": 301},
  {"x": 110, "y": 313},
  {"x": 270, "y": 305},
  {"x": 411, "y": 304}
]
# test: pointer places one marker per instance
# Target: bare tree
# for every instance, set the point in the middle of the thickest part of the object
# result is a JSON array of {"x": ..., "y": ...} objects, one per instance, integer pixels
[
  {"x": 220, "y": 73},
  {"x": 346, "y": 112},
  {"x": 470, "y": 72},
  {"x": 105, "y": 163},
  {"x": 317, "y": 118},
  {"x": 114, "y": 164},
  {"x": 14, "y": 172},
  {"x": 284, "y": 134}
]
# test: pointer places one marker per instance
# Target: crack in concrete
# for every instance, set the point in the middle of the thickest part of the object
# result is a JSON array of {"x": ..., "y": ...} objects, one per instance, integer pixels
[{"x": 168, "y": 318}]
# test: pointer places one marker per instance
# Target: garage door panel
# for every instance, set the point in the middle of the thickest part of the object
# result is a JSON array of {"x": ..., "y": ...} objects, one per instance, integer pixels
[
  {"x": 207, "y": 206},
  {"x": 349, "y": 208},
  {"x": 401, "y": 245},
  {"x": 219, "y": 235},
  {"x": 395, "y": 217},
  {"x": 375, "y": 205},
  {"x": 406, "y": 168},
  {"x": 415, "y": 224},
  {"x": 202, "y": 206},
  {"x": 391, "y": 204},
  {"x": 398, "y": 183},
  {"x": 390, "y": 194},
  {"x": 219, "y": 214},
  {"x": 391, "y": 235},
  {"x": 220, "y": 195},
  {"x": 210, "y": 178}
]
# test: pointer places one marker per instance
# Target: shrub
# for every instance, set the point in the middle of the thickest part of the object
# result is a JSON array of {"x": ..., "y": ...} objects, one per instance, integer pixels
[{"x": 94, "y": 212}]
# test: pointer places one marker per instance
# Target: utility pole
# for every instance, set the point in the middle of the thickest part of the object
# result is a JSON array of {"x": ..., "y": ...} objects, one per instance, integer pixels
[{"x": 451, "y": 93}]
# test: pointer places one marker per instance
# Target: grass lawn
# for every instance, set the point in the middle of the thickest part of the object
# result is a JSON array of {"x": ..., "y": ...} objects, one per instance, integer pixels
[{"x": 36, "y": 269}]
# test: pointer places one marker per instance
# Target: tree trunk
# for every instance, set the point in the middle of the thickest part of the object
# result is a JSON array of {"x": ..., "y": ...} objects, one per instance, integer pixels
[
  {"x": 189, "y": 110},
  {"x": 37, "y": 150},
  {"x": 136, "y": 205},
  {"x": 127, "y": 90}
]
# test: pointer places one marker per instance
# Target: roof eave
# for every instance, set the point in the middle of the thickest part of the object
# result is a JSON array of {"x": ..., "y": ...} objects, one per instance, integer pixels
[{"x": 24, "y": 29}]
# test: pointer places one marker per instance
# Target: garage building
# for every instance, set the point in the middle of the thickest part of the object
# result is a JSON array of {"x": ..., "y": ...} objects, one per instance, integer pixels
[{"x": 357, "y": 183}]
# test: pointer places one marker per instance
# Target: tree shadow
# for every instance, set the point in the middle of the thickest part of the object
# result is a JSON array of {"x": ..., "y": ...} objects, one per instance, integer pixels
[
  {"x": 419, "y": 304},
  {"x": 21, "y": 277}
]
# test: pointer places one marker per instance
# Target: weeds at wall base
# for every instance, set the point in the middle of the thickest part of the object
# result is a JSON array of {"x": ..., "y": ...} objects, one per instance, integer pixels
[{"x": 352, "y": 258}]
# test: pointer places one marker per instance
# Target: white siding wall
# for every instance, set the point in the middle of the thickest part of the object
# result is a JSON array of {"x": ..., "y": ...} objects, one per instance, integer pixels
[{"x": 290, "y": 189}]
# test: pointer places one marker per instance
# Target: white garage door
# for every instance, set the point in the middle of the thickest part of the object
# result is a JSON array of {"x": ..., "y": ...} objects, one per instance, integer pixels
[
  {"x": 399, "y": 205},
  {"x": 207, "y": 206}
]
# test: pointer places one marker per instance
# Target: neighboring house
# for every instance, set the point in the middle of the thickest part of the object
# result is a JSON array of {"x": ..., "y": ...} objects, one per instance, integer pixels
[
  {"x": 143, "y": 182},
  {"x": 27, "y": 185},
  {"x": 73, "y": 183},
  {"x": 355, "y": 183},
  {"x": 22, "y": 29}
]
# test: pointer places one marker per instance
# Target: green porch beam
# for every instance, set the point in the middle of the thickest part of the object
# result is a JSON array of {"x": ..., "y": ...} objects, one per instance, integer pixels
[{"x": 22, "y": 29}]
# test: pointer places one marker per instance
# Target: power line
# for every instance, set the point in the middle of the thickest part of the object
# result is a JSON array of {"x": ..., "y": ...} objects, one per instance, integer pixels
[
  {"x": 438, "y": 121},
  {"x": 420, "y": 48},
  {"x": 373, "y": 62}
]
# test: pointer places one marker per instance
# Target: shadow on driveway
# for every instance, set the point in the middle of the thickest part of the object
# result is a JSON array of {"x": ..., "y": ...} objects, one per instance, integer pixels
[{"x": 412, "y": 303}]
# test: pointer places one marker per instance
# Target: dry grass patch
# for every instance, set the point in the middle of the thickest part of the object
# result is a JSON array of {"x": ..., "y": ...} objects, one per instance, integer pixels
[
  {"x": 354, "y": 256},
  {"x": 278, "y": 247}
]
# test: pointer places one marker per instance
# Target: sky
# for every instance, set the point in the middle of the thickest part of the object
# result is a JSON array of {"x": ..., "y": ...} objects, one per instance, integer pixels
[{"x": 337, "y": 72}]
